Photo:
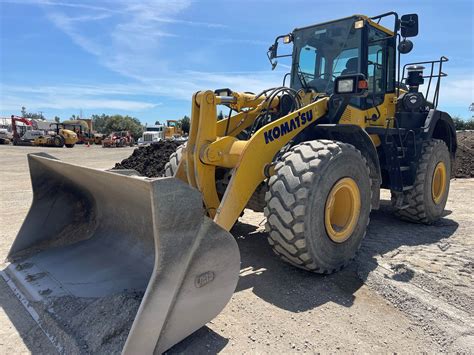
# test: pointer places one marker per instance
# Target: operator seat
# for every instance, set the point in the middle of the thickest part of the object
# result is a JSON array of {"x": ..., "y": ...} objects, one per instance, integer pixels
[{"x": 351, "y": 66}]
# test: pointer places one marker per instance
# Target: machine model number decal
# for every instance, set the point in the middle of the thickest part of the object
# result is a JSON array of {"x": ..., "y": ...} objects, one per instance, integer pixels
[
  {"x": 204, "y": 278},
  {"x": 286, "y": 127}
]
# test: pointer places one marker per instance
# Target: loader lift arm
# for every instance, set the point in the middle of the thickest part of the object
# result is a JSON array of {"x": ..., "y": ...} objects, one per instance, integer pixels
[{"x": 251, "y": 159}]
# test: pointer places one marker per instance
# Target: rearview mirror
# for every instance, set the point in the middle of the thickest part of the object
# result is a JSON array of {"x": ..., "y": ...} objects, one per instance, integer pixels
[
  {"x": 273, "y": 50},
  {"x": 272, "y": 54},
  {"x": 409, "y": 25}
]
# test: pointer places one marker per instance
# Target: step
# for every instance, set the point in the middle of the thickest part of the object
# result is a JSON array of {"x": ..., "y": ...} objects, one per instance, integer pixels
[{"x": 401, "y": 204}]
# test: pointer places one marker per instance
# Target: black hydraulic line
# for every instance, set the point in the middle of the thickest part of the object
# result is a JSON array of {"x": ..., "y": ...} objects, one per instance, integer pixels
[{"x": 228, "y": 122}]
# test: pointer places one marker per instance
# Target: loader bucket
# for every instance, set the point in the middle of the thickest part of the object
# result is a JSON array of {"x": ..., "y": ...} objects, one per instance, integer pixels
[{"x": 108, "y": 259}]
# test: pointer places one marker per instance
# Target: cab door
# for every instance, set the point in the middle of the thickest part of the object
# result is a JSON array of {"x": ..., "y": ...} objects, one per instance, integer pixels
[{"x": 380, "y": 66}]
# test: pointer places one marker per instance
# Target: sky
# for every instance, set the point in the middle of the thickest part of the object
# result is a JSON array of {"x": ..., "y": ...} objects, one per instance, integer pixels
[{"x": 146, "y": 58}]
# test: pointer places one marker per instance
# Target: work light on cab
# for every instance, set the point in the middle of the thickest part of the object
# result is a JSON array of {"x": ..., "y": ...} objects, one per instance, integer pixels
[{"x": 351, "y": 85}]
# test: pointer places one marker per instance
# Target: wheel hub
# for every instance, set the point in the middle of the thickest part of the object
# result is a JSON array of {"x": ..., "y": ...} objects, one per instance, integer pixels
[
  {"x": 438, "y": 185},
  {"x": 342, "y": 210}
]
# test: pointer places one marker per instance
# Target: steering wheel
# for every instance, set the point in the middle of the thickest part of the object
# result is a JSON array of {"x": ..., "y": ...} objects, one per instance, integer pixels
[{"x": 321, "y": 84}]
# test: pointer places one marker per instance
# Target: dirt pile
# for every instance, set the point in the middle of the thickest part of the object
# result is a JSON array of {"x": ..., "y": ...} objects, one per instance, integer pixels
[
  {"x": 464, "y": 165},
  {"x": 150, "y": 161}
]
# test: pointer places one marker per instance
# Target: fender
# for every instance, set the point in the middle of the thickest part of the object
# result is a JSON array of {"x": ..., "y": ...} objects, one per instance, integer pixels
[
  {"x": 440, "y": 125},
  {"x": 355, "y": 135}
]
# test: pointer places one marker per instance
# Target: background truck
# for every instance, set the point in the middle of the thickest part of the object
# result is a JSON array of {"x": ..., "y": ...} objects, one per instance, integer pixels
[{"x": 152, "y": 134}]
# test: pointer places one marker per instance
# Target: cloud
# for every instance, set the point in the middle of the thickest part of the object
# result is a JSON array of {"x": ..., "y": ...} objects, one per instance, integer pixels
[
  {"x": 130, "y": 42},
  {"x": 128, "y": 37},
  {"x": 457, "y": 91},
  {"x": 58, "y": 4},
  {"x": 65, "y": 97},
  {"x": 191, "y": 23},
  {"x": 129, "y": 96},
  {"x": 88, "y": 18}
]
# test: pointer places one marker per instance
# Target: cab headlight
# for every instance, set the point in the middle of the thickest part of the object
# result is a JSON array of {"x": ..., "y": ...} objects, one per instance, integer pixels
[{"x": 345, "y": 86}]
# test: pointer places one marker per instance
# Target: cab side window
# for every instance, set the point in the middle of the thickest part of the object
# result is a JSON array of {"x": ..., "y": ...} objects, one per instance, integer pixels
[{"x": 377, "y": 64}]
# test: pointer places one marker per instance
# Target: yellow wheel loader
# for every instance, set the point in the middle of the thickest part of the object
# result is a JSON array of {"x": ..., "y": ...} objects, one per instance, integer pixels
[
  {"x": 173, "y": 129},
  {"x": 312, "y": 155}
]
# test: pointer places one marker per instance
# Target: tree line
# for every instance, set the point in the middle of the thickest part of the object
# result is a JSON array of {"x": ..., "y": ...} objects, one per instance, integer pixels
[
  {"x": 107, "y": 124},
  {"x": 111, "y": 123},
  {"x": 461, "y": 124}
]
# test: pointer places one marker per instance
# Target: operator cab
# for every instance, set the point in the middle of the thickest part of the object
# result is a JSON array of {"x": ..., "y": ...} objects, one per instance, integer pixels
[{"x": 350, "y": 46}]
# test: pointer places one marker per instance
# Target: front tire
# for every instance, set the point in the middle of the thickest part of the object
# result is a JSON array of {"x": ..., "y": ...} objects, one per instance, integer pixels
[
  {"x": 427, "y": 199},
  {"x": 318, "y": 205},
  {"x": 172, "y": 165},
  {"x": 58, "y": 141}
]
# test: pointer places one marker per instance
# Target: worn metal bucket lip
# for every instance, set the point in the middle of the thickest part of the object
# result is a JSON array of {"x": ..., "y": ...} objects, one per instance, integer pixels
[{"x": 180, "y": 295}]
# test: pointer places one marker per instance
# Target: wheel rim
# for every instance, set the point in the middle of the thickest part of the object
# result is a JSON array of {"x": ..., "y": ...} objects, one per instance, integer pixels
[
  {"x": 438, "y": 186},
  {"x": 342, "y": 210}
]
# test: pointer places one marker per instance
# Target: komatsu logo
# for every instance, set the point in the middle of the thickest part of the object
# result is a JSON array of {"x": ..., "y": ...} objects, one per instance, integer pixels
[{"x": 286, "y": 127}]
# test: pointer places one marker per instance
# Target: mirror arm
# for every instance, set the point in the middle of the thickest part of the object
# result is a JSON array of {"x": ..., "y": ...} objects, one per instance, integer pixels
[
  {"x": 396, "y": 25},
  {"x": 398, "y": 66}
]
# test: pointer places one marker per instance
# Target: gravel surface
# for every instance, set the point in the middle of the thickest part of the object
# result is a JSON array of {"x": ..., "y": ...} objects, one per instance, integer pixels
[
  {"x": 90, "y": 325},
  {"x": 410, "y": 289}
]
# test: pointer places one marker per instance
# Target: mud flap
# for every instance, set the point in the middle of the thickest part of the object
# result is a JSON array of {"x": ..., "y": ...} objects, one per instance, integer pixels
[{"x": 91, "y": 235}]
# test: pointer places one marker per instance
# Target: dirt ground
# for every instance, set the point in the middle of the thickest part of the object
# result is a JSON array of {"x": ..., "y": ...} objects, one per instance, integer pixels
[{"x": 409, "y": 290}]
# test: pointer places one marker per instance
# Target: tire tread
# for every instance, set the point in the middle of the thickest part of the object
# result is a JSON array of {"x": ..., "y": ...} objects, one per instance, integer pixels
[
  {"x": 287, "y": 197},
  {"x": 416, "y": 212}
]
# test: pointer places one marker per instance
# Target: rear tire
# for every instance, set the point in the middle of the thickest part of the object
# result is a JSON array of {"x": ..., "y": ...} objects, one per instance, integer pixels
[
  {"x": 301, "y": 205},
  {"x": 429, "y": 195},
  {"x": 69, "y": 145}
]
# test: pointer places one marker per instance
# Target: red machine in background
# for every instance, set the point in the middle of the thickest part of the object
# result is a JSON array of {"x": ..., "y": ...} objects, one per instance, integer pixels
[
  {"x": 17, "y": 139},
  {"x": 118, "y": 139}
]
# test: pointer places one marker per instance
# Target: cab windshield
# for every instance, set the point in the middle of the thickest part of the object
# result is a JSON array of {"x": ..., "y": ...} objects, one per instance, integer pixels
[{"x": 324, "y": 52}]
